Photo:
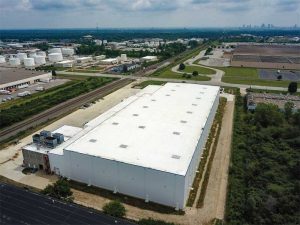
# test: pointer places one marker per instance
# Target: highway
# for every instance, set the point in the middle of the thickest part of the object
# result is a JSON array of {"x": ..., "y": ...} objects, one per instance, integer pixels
[
  {"x": 62, "y": 108},
  {"x": 19, "y": 206}
]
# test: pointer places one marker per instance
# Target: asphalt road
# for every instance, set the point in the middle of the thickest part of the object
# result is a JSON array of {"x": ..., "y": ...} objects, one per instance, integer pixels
[{"x": 20, "y": 206}]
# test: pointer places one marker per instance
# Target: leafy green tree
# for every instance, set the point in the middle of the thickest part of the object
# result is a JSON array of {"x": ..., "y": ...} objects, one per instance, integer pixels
[
  {"x": 61, "y": 190},
  {"x": 53, "y": 73},
  {"x": 279, "y": 77},
  {"x": 288, "y": 110},
  {"x": 195, "y": 73},
  {"x": 267, "y": 115},
  {"x": 293, "y": 87},
  {"x": 181, "y": 66},
  {"x": 114, "y": 208}
]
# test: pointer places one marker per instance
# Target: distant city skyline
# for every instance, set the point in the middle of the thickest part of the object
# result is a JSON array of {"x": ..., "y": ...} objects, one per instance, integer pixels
[{"x": 15, "y": 14}]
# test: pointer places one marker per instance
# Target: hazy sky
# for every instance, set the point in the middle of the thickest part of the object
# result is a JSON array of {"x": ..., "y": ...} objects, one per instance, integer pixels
[{"x": 146, "y": 13}]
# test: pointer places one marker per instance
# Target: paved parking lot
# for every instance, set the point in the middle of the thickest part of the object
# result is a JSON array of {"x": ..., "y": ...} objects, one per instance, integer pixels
[
  {"x": 273, "y": 74},
  {"x": 32, "y": 88},
  {"x": 20, "y": 206}
]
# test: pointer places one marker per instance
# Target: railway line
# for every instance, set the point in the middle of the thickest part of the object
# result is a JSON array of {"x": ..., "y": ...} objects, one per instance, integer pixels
[{"x": 62, "y": 108}]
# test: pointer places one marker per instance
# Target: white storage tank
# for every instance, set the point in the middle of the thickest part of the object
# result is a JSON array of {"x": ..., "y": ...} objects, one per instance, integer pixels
[
  {"x": 68, "y": 51},
  {"x": 40, "y": 60},
  {"x": 21, "y": 56},
  {"x": 41, "y": 53},
  {"x": 32, "y": 55},
  {"x": 55, "y": 50},
  {"x": 2, "y": 59},
  {"x": 14, "y": 61},
  {"x": 55, "y": 57},
  {"x": 123, "y": 57},
  {"x": 29, "y": 62}
]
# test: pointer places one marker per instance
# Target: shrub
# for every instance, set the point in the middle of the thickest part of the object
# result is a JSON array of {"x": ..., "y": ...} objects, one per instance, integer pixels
[
  {"x": 114, "y": 208},
  {"x": 188, "y": 76},
  {"x": 61, "y": 190},
  {"x": 293, "y": 87},
  {"x": 195, "y": 73},
  {"x": 151, "y": 221},
  {"x": 181, "y": 66}
]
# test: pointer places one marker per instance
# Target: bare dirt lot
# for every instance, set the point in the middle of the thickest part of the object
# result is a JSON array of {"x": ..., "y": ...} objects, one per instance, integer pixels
[
  {"x": 283, "y": 50},
  {"x": 267, "y": 56}
]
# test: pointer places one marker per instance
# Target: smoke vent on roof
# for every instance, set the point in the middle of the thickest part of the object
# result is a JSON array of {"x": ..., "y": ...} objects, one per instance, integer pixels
[
  {"x": 189, "y": 112},
  {"x": 135, "y": 114},
  {"x": 183, "y": 121},
  {"x": 93, "y": 140},
  {"x": 145, "y": 106},
  {"x": 176, "y": 156},
  {"x": 115, "y": 123},
  {"x": 176, "y": 133},
  {"x": 123, "y": 146},
  {"x": 142, "y": 127}
]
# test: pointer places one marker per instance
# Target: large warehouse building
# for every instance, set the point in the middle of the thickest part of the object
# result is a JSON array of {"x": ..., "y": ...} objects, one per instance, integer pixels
[
  {"x": 148, "y": 146},
  {"x": 13, "y": 77}
]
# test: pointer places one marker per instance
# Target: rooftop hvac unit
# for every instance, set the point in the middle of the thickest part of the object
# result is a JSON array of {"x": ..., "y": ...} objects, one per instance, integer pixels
[
  {"x": 45, "y": 133},
  {"x": 36, "y": 138},
  {"x": 59, "y": 137},
  {"x": 50, "y": 142}
]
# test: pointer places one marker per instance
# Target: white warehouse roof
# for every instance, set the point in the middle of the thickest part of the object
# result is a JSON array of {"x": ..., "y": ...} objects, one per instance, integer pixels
[{"x": 158, "y": 128}]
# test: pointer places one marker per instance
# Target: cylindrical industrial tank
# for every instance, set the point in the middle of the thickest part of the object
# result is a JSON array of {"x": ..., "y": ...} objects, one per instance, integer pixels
[
  {"x": 40, "y": 60},
  {"x": 32, "y": 55},
  {"x": 68, "y": 51},
  {"x": 55, "y": 50},
  {"x": 55, "y": 57},
  {"x": 29, "y": 62},
  {"x": 123, "y": 57},
  {"x": 2, "y": 59},
  {"x": 21, "y": 56},
  {"x": 14, "y": 61},
  {"x": 41, "y": 53}
]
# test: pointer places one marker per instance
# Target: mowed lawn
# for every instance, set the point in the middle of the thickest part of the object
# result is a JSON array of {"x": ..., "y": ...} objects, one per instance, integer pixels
[
  {"x": 172, "y": 75},
  {"x": 199, "y": 69},
  {"x": 237, "y": 75}
]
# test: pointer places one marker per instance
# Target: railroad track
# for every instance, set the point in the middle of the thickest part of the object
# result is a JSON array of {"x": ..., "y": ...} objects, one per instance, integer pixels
[{"x": 62, "y": 108}]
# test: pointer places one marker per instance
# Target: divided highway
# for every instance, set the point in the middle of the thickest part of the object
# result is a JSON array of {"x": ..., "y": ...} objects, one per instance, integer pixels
[{"x": 62, "y": 108}]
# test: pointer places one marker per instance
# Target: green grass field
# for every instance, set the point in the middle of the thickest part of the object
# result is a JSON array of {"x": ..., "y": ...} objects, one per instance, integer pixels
[
  {"x": 172, "y": 75},
  {"x": 199, "y": 69},
  {"x": 237, "y": 75}
]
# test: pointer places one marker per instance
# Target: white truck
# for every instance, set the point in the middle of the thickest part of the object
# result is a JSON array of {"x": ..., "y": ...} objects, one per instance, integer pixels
[{"x": 23, "y": 94}]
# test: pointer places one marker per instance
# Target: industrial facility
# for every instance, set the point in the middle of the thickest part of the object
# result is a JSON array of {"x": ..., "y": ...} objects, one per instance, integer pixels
[
  {"x": 12, "y": 78},
  {"x": 125, "y": 149}
]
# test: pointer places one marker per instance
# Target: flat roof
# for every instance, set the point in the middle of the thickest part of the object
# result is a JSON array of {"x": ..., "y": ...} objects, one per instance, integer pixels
[
  {"x": 109, "y": 60},
  {"x": 8, "y": 74},
  {"x": 67, "y": 131},
  {"x": 158, "y": 128}
]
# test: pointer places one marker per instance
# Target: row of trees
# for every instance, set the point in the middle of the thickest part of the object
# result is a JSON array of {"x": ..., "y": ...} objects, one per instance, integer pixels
[
  {"x": 61, "y": 189},
  {"x": 24, "y": 110},
  {"x": 264, "y": 175}
]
